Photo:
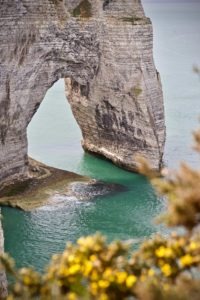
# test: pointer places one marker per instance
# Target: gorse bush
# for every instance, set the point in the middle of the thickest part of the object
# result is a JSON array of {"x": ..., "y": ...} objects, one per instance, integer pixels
[
  {"x": 92, "y": 269},
  {"x": 162, "y": 268}
]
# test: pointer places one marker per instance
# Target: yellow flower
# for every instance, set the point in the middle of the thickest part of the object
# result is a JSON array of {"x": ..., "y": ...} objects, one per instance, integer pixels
[
  {"x": 94, "y": 288},
  {"x": 27, "y": 280},
  {"x": 186, "y": 260},
  {"x": 131, "y": 280},
  {"x": 193, "y": 246},
  {"x": 103, "y": 297},
  {"x": 97, "y": 247},
  {"x": 81, "y": 241},
  {"x": 69, "y": 257},
  {"x": 71, "y": 296},
  {"x": 77, "y": 259},
  {"x": 160, "y": 252},
  {"x": 87, "y": 242},
  {"x": 94, "y": 276},
  {"x": 107, "y": 273},
  {"x": 87, "y": 268},
  {"x": 169, "y": 252},
  {"x": 63, "y": 271},
  {"x": 166, "y": 269},
  {"x": 176, "y": 245},
  {"x": 74, "y": 269},
  {"x": 151, "y": 272},
  {"x": 121, "y": 277},
  {"x": 103, "y": 284},
  {"x": 164, "y": 252},
  {"x": 93, "y": 258}
]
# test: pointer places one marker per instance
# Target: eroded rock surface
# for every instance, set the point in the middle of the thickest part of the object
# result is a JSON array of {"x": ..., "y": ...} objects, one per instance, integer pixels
[{"x": 103, "y": 49}]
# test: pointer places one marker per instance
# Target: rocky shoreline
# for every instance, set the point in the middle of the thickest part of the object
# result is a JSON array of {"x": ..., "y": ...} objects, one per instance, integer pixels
[{"x": 48, "y": 186}]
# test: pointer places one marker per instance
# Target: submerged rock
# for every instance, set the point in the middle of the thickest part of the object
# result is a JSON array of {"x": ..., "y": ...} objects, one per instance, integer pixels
[
  {"x": 51, "y": 187},
  {"x": 103, "y": 49},
  {"x": 95, "y": 188}
]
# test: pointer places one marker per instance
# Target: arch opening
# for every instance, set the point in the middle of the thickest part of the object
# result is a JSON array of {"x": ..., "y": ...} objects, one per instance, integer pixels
[{"x": 54, "y": 136}]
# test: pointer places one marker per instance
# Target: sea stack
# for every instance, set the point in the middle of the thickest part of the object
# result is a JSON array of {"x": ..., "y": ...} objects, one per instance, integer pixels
[{"x": 103, "y": 49}]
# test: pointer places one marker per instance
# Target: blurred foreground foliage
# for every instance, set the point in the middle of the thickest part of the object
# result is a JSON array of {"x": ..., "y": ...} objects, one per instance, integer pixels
[{"x": 163, "y": 268}]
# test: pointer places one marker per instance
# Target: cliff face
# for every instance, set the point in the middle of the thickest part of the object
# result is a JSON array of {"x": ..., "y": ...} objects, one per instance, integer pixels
[{"x": 103, "y": 49}]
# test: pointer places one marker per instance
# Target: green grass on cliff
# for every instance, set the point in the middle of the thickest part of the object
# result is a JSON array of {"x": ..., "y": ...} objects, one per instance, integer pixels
[{"x": 135, "y": 19}]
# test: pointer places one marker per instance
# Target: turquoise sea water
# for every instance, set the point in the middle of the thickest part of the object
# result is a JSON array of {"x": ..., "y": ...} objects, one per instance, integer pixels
[{"x": 54, "y": 138}]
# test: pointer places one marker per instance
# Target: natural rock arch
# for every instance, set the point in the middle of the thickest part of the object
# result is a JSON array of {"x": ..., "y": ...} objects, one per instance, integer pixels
[{"x": 104, "y": 50}]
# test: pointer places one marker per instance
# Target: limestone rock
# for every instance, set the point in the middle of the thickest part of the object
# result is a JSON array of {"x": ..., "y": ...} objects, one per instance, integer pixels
[{"x": 103, "y": 49}]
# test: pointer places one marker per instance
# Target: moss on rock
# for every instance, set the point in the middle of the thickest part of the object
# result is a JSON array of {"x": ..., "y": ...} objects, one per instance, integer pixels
[{"x": 84, "y": 10}]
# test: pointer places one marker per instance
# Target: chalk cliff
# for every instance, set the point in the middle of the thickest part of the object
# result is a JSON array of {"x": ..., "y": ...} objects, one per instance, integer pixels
[{"x": 103, "y": 49}]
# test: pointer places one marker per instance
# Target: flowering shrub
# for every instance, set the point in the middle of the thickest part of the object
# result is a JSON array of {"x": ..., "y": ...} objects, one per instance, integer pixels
[{"x": 92, "y": 269}]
